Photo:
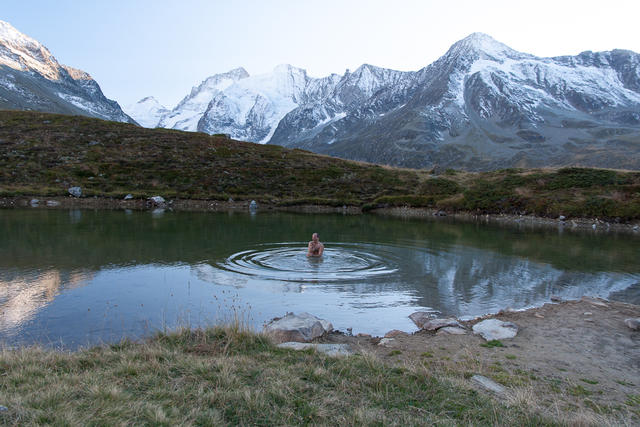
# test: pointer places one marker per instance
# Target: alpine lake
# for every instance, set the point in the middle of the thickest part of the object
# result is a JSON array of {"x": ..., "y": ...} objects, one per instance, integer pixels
[{"x": 71, "y": 278}]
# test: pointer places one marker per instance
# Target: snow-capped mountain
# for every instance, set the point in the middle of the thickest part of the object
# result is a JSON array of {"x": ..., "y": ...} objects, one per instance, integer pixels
[
  {"x": 482, "y": 105},
  {"x": 147, "y": 112},
  {"x": 32, "y": 79}
]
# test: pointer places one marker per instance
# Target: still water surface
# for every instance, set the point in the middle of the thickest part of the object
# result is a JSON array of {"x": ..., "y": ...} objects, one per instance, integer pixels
[{"x": 80, "y": 277}]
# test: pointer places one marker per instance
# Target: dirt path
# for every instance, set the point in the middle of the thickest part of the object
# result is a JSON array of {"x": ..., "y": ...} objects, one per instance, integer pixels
[{"x": 572, "y": 359}]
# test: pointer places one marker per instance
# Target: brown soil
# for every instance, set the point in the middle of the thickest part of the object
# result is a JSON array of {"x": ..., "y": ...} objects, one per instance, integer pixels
[{"x": 575, "y": 357}]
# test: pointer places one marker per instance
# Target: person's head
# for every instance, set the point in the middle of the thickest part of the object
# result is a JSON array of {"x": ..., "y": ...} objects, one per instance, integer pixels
[{"x": 314, "y": 237}]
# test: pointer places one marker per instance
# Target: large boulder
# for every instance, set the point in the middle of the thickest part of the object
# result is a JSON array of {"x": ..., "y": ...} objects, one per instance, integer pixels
[
  {"x": 303, "y": 327},
  {"x": 494, "y": 329}
]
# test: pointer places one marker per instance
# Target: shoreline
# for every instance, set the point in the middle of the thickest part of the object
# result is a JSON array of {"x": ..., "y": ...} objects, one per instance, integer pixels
[
  {"x": 572, "y": 361},
  {"x": 194, "y": 205}
]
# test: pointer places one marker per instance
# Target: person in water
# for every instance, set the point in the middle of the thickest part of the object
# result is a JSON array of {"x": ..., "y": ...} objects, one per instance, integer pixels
[{"x": 316, "y": 248}]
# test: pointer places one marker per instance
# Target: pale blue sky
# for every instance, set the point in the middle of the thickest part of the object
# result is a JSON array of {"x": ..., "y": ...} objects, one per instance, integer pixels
[{"x": 137, "y": 48}]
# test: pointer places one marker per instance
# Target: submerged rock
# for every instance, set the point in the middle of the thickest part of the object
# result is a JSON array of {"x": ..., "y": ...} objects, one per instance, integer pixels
[
  {"x": 75, "y": 191},
  {"x": 494, "y": 329},
  {"x": 303, "y": 327},
  {"x": 34, "y": 202},
  {"x": 328, "y": 349},
  {"x": 253, "y": 205}
]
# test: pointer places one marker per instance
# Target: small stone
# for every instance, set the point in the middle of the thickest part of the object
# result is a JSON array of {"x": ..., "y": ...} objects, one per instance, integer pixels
[
  {"x": 53, "y": 203},
  {"x": 328, "y": 349},
  {"x": 435, "y": 324},
  {"x": 636, "y": 228},
  {"x": 494, "y": 329},
  {"x": 562, "y": 217},
  {"x": 363, "y": 335},
  {"x": 386, "y": 342},
  {"x": 594, "y": 301},
  {"x": 128, "y": 197},
  {"x": 488, "y": 384},
  {"x": 556, "y": 298},
  {"x": 424, "y": 320},
  {"x": 230, "y": 200},
  {"x": 451, "y": 330},
  {"x": 633, "y": 323},
  {"x": 538, "y": 315},
  {"x": 75, "y": 191},
  {"x": 587, "y": 313},
  {"x": 594, "y": 226},
  {"x": 420, "y": 318},
  {"x": 253, "y": 205},
  {"x": 92, "y": 143},
  {"x": 395, "y": 333},
  {"x": 34, "y": 202}
]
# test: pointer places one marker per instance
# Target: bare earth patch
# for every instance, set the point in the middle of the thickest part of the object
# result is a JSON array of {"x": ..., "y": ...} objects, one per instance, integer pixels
[{"x": 575, "y": 361}]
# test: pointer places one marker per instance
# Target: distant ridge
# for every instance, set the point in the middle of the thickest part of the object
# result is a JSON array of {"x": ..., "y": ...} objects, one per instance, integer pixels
[{"x": 481, "y": 106}]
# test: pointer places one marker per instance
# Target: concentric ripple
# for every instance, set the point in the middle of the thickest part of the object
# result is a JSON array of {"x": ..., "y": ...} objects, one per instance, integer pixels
[{"x": 289, "y": 262}]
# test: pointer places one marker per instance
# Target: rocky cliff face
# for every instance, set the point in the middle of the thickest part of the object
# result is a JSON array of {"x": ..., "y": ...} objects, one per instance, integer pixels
[
  {"x": 480, "y": 106},
  {"x": 32, "y": 79}
]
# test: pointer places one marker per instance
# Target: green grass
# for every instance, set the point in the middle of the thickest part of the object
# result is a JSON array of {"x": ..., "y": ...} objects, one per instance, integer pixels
[
  {"x": 44, "y": 154},
  {"x": 492, "y": 344},
  {"x": 226, "y": 376}
]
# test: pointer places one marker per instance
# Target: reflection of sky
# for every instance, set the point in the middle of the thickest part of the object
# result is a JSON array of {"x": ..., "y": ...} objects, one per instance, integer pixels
[
  {"x": 78, "y": 308},
  {"x": 78, "y": 277}
]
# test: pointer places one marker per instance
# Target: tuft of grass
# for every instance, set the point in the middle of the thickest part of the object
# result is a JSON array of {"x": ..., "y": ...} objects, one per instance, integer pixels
[
  {"x": 510, "y": 356},
  {"x": 588, "y": 381},
  {"x": 579, "y": 390},
  {"x": 492, "y": 344}
]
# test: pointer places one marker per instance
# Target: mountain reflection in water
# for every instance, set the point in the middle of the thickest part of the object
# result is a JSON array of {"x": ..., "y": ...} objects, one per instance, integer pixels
[{"x": 79, "y": 277}]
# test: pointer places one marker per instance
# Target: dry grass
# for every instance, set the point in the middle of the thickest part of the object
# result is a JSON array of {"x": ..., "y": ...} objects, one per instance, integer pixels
[{"x": 224, "y": 376}]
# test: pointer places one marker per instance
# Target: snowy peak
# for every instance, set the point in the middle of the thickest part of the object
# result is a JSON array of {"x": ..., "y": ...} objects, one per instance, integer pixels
[
  {"x": 21, "y": 52},
  {"x": 482, "y": 46},
  {"x": 147, "y": 112},
  {"x": 32, "y": 79}
]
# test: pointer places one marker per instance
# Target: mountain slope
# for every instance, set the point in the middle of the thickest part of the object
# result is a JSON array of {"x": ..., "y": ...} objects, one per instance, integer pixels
[{"x": 32, "y": 79}]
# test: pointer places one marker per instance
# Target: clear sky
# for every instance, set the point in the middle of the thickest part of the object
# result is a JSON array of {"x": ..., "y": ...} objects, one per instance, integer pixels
[{"x": 136, "y": 48}]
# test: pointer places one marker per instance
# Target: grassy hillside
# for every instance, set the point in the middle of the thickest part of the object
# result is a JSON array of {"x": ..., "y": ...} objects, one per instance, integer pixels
[{"x": 44, "y": 154}]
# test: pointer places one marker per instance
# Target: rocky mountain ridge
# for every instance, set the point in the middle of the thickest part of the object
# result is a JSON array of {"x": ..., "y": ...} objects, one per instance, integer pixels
[
  {"x": 482, "y": 105},
  {"x": 32, "y": 79}
]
